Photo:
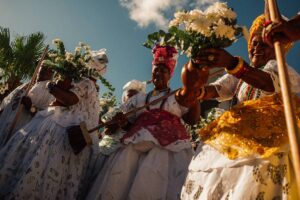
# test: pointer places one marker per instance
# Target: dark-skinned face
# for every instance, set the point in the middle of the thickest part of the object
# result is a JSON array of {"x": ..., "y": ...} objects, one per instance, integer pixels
[
  {"x": 131, "y": 93},
  {"x": 260, "y": 53},
  {"x": 160, "y": 76}
]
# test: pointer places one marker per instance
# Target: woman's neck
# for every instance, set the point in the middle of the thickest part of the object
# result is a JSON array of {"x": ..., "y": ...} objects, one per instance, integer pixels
[
  {"x": 161, "y": 89},
  {"x": 158, "y": 91}
]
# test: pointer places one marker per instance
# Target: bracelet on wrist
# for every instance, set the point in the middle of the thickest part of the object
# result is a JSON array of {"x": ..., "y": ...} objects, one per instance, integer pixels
[
  {"x": 267, "y": 23},
  {"x": 239, "y": 69}
]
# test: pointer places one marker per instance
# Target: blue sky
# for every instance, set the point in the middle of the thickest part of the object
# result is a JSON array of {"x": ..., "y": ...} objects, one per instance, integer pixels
[{"x": 121, "y": 26}]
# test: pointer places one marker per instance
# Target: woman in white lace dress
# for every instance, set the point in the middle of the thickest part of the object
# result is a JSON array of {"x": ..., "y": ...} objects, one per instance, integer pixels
[
  {"x": 37, "y": 99},
  {"x": 153, "y": 162},
  {"x": 111, "y": 142},
  {"x": 228, "y": 170},
  {"x": 38, "y": 161}
]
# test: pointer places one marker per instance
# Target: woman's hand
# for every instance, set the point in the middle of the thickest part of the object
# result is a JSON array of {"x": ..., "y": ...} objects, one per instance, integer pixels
[
  {"x": 284, "y": 31},
  {"x": 62, "y": 96},
  {"x": 212, "y": 58},
  {"x": 118, "y": 121}
]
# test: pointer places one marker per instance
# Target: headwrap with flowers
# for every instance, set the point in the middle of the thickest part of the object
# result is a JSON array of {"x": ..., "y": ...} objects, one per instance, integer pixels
[
  {"x": 257, "y": 28},
  {"x": 98, "y": 61},
  {"x": 166, "y": 55}
]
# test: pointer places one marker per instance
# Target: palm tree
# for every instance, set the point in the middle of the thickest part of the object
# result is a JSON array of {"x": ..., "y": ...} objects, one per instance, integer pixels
[{"x": 18, "y": 58}]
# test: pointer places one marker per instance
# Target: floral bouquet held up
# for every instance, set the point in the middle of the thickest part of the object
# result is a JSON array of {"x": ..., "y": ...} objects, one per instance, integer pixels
[
  {"x": 216, "y": 27},
  {"x": 68, "y": 66}
]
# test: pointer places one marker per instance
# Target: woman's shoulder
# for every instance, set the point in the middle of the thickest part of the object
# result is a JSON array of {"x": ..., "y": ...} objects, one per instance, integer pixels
[
  {"x": 272, "y": 65},
  {"x": 85, "y": 83},
  {"x": 140, "y": 96}
]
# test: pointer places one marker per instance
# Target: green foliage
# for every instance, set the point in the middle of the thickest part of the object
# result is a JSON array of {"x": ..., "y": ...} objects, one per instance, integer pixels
[
  {"x": 109, "y": 99},
  {"x": 70, "y": 65},
  {"x": 19, "y": 57},
  {"x": 189, "y": 42},
  {"x": 75, "y": 66}
]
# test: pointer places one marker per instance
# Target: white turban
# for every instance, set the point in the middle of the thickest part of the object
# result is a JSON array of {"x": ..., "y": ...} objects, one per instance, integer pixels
[
  {"x": 99, "y": 61},
  {"x": 134, "y": 85}
]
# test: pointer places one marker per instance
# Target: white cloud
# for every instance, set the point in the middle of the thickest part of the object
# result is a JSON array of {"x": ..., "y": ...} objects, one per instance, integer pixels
[
  {"x": 203, "y": 4},
  {"x": 146, "y": 12}
]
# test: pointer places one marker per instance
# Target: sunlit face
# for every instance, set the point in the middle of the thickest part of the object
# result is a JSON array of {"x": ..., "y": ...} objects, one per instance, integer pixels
[
  {"x": 260, "y": 53},
  {"x": 160, "y": 76}
]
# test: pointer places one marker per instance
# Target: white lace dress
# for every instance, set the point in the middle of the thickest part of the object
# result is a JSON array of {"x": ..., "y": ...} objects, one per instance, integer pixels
[
  {"x": 40, "y": 98},
  {"x": 38, "y": 162},
  {"x": 214, "y": 176},
  {"x": 142, "y": 168}
]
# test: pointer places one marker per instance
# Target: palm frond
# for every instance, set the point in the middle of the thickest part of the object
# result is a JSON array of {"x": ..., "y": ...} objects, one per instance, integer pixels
[
  {"x": 6, "y": 55},
  {"x": 27, "y": 50}
]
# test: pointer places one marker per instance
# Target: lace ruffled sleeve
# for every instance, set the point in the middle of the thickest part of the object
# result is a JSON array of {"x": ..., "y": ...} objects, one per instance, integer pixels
[
  {"x": 272, "y": 69},
  {"x": 83, "y": 89},
  {"x": 225, "y": 86},
  {"x": 132, "y": 103},
  {"x": 15, "y": 95}
]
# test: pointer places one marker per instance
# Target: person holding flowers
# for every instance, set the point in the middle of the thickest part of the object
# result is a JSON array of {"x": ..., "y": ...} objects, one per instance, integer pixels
[
  {"x": 110, "y": 141},
  {"x": 38, "y": 162},
  {"x": 152, "y": 163},
  {"x": 245, "y": 152}
]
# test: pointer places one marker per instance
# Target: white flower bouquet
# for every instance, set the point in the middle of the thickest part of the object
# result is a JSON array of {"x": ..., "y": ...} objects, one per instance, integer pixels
[
  {"x": 190, "y": 31},
  {"x": 67, "y": 64}
]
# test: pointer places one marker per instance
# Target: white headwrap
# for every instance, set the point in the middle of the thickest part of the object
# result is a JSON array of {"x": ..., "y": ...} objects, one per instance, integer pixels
[
  {"x": 99, "y": 61},
  {"x": 134, "y": 85}
]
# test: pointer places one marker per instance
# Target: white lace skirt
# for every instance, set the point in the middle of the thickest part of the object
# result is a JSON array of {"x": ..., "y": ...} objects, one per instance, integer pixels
[
  {"x": 213, "y": 176},
  {"x": 38, "y": 163},
  {"x": 6, "y": 119},
  {"x": 150, "y": 172}
]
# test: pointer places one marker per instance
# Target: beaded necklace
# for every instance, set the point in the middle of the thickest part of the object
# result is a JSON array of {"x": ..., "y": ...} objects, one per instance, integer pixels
[
  {"x": 167, "y": 90},
  {"x": 250, "y": 91}
]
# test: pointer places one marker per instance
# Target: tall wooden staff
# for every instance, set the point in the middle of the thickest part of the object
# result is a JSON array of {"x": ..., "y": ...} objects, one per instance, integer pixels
[
  {"x": 29, "y": 86},
  {"x": 290, "y": 118}
]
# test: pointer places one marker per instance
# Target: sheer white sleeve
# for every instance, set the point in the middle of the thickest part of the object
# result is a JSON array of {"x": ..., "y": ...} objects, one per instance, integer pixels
[
  {"x": 272, "y": 69},
  {"x": 225, "y": 86},
  {"x": 83, "y": 88},
  {"x": 135, "y": 101}
]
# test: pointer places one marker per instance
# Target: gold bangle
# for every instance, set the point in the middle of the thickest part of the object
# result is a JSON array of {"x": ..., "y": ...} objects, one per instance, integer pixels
[
  {"x": 237, "y": 68},
  {"x": 202, "y": 93}
]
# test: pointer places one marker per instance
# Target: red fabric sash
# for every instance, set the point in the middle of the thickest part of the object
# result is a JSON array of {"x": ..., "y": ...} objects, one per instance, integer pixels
[{"x": 164, "y": 126}]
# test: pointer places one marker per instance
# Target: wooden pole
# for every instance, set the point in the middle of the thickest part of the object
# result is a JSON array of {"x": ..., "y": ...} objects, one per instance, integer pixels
[
  {"x": 29, "y": 86},
  {"x": 216, "y": 73},
  {"x": 290, "y": 118}
]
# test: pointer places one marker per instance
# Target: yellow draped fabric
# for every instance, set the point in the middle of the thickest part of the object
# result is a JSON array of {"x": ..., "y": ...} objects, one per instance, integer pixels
[{"x": 252, "y": 128}]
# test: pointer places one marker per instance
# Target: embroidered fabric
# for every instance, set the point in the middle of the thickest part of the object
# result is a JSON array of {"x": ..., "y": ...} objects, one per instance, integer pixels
[
  {"x": 39, "y": 95},
  {"x": 164, "y": 126},
  {"x": 227, "y": 84},
  {"x": 252, "y": 128},
  {"x": 87, "y": 109},
  {"x": 145, "y": 131}
]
